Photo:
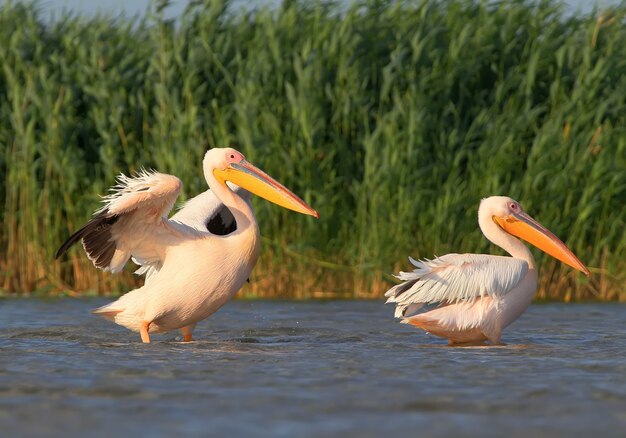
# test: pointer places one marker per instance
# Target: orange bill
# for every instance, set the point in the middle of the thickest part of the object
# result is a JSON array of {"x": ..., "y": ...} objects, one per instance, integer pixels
[
  {"x": 253, "y": 179},
  {"x": 525, "y": 227}
]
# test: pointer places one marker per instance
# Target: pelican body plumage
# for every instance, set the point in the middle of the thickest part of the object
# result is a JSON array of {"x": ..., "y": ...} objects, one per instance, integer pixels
[
  {"x": 195, "y": 261},
  {"x": 472, "y": 298}
]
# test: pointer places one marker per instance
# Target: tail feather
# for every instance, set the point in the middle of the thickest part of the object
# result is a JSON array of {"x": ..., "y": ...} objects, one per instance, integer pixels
[
  {"x": 422, "y": 323},
  {"x": 107, "y": 312}
]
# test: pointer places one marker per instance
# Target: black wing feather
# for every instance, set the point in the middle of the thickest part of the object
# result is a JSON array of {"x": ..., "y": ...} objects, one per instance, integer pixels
[
  {"x": 97, "y": 239},
  {"x": 222, "y": 223}
]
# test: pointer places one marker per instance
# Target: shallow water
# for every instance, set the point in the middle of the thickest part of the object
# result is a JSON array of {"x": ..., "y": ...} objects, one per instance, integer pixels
[{"x": 336, "y": 368}]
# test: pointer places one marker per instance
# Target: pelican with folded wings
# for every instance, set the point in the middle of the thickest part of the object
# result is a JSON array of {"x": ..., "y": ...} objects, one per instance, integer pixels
[
  {"x": 471, "y": 298},
  {"x": 195, "y": 261}
]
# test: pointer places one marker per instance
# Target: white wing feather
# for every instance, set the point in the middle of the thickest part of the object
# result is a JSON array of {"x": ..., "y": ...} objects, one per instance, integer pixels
[
  {"x": 200, "y": 209},
  {"x": 453, "y": 278},
  {"x": 150, "y": 191}
]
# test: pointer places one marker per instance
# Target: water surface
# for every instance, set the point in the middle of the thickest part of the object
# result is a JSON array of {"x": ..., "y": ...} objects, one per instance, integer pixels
[{"x": 289, "y": 369}]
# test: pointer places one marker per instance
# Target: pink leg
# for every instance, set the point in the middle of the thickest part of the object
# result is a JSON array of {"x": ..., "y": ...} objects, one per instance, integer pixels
[
  {"x": 187, "y": 332},
  {"x": 143, "y": 331}
]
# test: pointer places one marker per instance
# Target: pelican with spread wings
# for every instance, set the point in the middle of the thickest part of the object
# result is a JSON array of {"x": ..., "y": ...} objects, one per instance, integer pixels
[
  {"x": 195, "y": 261},
  {"x": 471, "y": 298}
]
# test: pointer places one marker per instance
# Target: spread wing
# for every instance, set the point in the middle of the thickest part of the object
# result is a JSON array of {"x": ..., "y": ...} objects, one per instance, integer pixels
[
  {"x": 206, "y": 212},
  {"x": 454, "y": 277},
  {"x": 132, "y": 222},
  {"x": 203, "y": 213}
]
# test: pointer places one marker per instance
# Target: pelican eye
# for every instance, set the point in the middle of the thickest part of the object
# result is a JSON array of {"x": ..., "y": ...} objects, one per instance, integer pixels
[{"x": 513, "y": 206}]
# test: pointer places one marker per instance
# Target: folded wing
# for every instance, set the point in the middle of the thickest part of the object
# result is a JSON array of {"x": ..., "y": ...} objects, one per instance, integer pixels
[{"x": 454, "y": 277}]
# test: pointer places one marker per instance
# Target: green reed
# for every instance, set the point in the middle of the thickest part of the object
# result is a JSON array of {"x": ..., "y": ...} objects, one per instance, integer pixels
[{"x": 393, "y": 120}]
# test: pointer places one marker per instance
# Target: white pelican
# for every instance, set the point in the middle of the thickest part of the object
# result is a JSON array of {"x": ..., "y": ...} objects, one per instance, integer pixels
[
  {"x": 473, "y": 297},
  {"x": 193, "y": 265}
]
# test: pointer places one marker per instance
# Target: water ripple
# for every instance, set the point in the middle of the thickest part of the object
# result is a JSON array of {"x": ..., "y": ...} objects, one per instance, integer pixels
[{"x": 258, "y": 368}]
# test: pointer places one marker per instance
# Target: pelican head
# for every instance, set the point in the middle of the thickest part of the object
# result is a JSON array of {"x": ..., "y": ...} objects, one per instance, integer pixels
[
  {"x": 508, "y": 214},
  {"x": 229, "y": 165}
]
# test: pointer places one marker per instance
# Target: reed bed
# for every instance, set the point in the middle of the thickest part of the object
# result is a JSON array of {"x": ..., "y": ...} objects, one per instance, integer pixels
[{"x": 392, "y": 119}]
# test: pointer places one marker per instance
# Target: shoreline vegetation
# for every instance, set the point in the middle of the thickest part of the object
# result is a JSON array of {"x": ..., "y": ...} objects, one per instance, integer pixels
[{"x": 392, "y": 120}]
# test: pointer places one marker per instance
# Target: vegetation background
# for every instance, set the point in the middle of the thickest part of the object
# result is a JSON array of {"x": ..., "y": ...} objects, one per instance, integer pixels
[{"x": 393, "y": 119}]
